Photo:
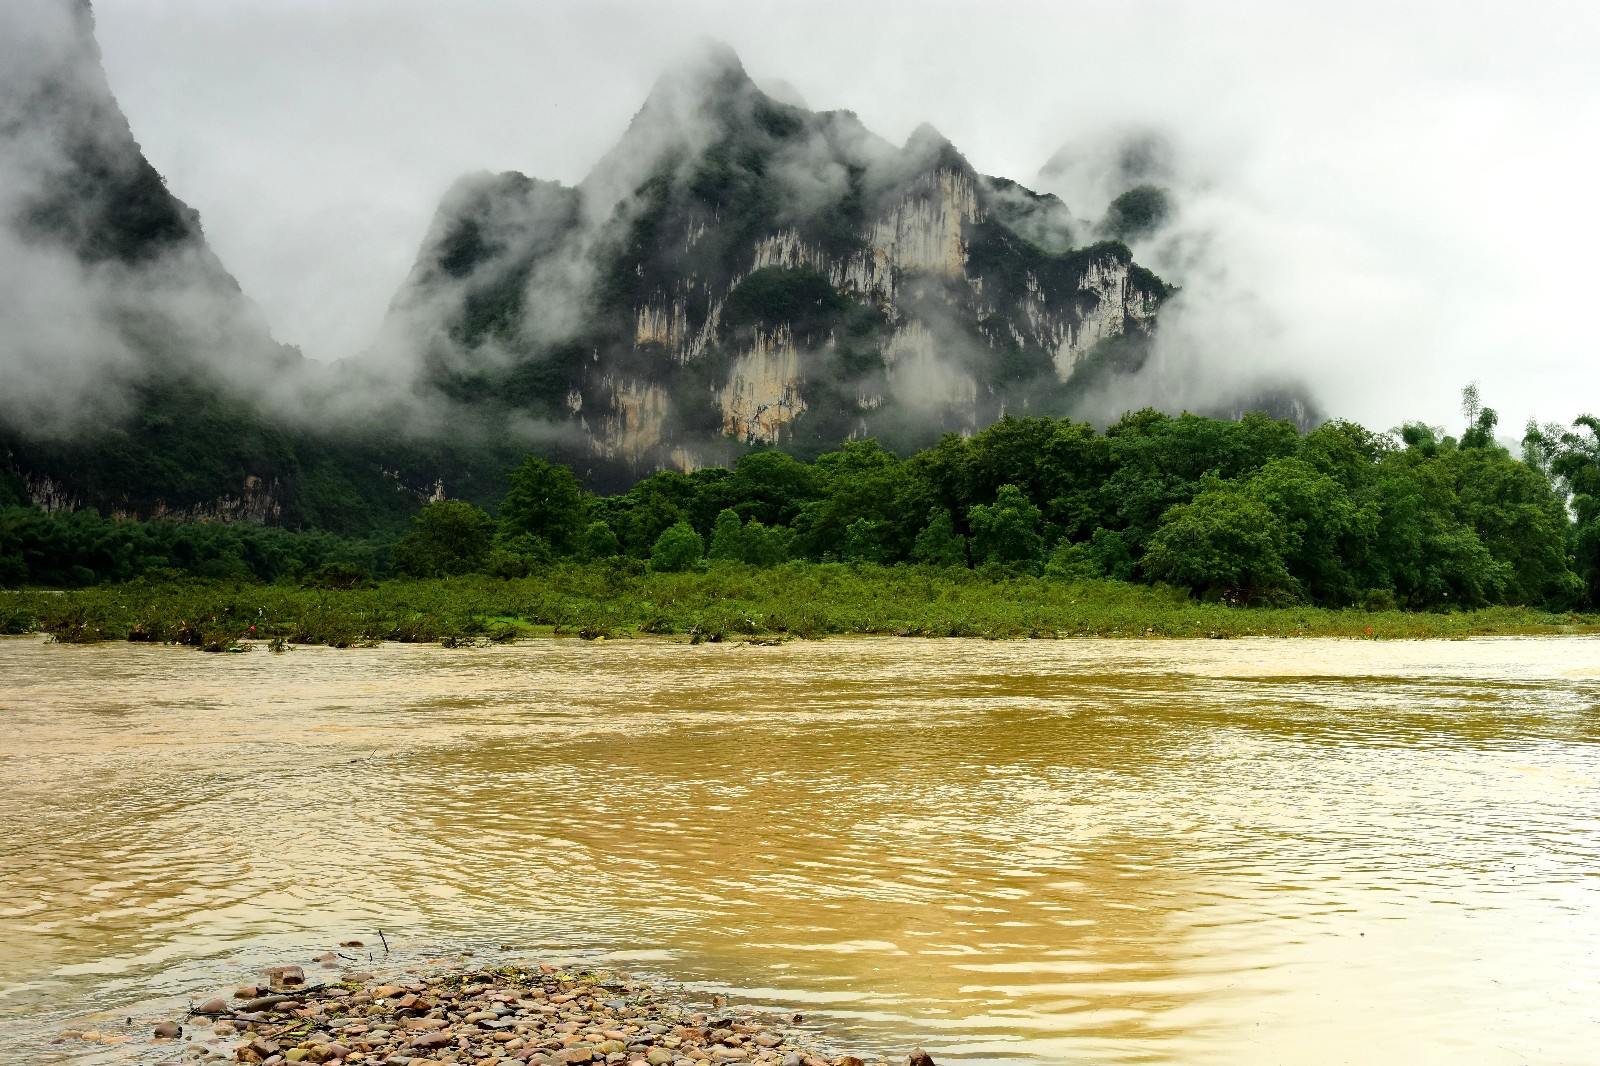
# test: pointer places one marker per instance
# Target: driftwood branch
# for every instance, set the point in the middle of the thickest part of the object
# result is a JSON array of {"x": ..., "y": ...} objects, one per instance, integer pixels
[{"x": 260, "y": 1003}]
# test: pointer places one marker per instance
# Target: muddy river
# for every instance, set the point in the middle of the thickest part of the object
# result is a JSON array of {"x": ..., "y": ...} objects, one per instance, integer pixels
[{"x": 1241, "y": 852}]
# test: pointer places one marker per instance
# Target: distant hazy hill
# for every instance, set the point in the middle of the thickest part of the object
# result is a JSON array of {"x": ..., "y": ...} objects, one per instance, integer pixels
[{"x": 135, "y": 376}]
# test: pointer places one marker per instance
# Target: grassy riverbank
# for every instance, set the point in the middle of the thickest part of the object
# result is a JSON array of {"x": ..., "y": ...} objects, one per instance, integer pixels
[{"x": 726, "y": 602}]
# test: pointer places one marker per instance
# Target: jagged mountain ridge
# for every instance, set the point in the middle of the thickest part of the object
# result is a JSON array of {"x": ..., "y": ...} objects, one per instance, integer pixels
[{"x": 743, "y": 271}]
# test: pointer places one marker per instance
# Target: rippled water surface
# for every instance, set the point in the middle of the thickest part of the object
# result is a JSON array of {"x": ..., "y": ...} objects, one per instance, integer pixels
[{"x": 1240, "y": 852}]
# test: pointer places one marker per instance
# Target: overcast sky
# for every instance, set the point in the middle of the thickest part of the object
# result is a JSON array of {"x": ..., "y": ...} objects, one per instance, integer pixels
[{"x": 1394, "y": 199}]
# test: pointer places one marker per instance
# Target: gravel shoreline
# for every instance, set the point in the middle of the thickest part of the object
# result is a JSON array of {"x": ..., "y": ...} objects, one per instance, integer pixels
[{"x": 521, "y": 1014}]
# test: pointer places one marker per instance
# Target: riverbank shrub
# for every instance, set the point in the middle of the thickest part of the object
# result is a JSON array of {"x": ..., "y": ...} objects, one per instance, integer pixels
[{"x": 727, "y": 601}]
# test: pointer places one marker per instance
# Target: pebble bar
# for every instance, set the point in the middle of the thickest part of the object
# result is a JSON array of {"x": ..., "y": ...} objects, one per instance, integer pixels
[{"x": 536, "y": 1014}]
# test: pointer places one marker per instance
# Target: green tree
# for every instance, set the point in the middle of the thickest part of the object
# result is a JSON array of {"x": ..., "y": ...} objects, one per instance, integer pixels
[
  {"x": 1424, "y": 440},
  {"x": 1075, "y": 464},
  {"x": 679, "y": 548},
  {"x": 598, "y": 542},
  {"x": 1224, "y": 543},
  {"x": 1346, "y": 452},
  {"x": 770, "y": 486},
  {"x": 1156, "y": 461},
  {"x": 1137, "y": 213},
  {"x": 727, "y": 537},
  {"x": 1326, "y": 537},
  {"x": 1422, "y": 549},
  {"x": 752, "y": 542},
  {"x": 1105, "y": 554},
  {"x": 1575, "y": 463},
  {"x": 449, "y": 537},
  {"x": 870, "y": 509},
  {"x": 1519, "y": 518},
  {"x": 1481, "y": 421},
  {"x": 518, "y": 555},
  {"x": 652, "y": 506},
  {"x": 1015, "y": 451},
  {"x": 866, "y": 540},
  {"x": 545, "y": 501},
  {"x": 1006, "y": 531},
  {"x": 762, "y": 545},
  {"x": 939, "y": 544}
]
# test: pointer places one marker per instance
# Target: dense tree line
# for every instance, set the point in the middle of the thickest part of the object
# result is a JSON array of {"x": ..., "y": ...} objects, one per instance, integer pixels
[
  {"x": 72, "y": 549},
  {"x": 1247, "y": 511}
]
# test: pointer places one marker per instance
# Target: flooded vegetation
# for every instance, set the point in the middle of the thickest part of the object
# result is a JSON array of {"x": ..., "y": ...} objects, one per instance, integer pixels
[{"x": 1248, "y": 851}]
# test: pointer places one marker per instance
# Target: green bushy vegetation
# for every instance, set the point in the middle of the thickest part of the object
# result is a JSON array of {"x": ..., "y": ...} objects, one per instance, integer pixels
[
  {"x": 1137, "y": 213},
  {"x": 1032, "y": 526},
  {"x": 73, "y": 549},
  {"x": 725, "y": 601}
]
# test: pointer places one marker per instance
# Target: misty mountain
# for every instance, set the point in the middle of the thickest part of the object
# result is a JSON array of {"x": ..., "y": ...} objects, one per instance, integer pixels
[
  {"x": 742, "y": 271},
  {"x": 738, "y": 272}
]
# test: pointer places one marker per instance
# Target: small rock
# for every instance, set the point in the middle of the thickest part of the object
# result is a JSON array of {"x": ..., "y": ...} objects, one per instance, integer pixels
[
  {"x": 281, "y": 977},
  {"x": 215, "y": 1005},
  {"x": 168, "y": 1031},
  {"x": 920, "y": 1058}
]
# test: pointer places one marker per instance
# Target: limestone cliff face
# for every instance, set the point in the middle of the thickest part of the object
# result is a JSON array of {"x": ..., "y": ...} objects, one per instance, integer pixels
[
  {"x": 744, "y": 272},
  {"x": 635, "y": 421},
  {"x": 762, "y": 395},
  {"x": 256, "y": 502},
  {"x": 926, "y": 231}
]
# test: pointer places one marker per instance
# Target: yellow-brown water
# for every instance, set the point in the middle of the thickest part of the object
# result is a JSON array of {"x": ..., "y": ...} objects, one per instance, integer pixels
[{"x": 1240, "y": 852}]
